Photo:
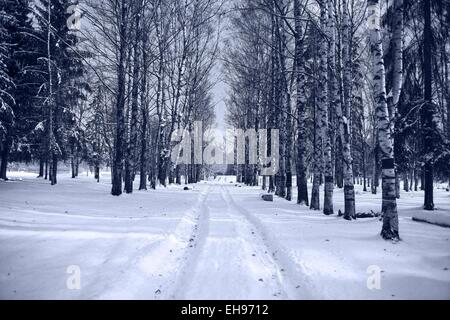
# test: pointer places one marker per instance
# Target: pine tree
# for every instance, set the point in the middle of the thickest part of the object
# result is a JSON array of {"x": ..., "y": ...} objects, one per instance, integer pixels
[
  {"x": 17, "y": 88},
  {"x": 63, "y": 64}
]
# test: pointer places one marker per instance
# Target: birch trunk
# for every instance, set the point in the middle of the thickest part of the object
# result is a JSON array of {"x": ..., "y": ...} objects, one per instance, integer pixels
[
  {"x": 324, "y": 105},
  {"x": 390, "y": 229},
  {"x": 344, "y": 116},
  {"x": 144, "y": 115},
  {"x": 131, "y": 148},
  {"x": 397, "y": 79},
  {"x": 315, "y": 192}
]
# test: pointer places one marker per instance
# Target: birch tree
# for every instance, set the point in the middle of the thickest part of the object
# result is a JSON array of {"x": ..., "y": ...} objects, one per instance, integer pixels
[
  {"x": 325, "y": 105},
  {"x": 390, "y": 229}
]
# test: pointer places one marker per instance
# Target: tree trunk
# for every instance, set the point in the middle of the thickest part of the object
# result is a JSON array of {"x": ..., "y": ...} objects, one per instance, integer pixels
[
  {"x": 375, "y": 172},
  {"x": 46, "y": 170},
  {"x": 427, "y": 112},
  {"x": 288, "y": 151},
  {"x": 54, "y": 167},
  {"x": 77, "y": 163},
  {"x": 343, "y": 111},
  {"x": 364, "y": 168},
  {"x": 131, "y": 148},
  {"x": 41, "y": 167},
  {"x": 390, "y": 229},
  {"x": 406, "y": 182},
  {"x": 397, "y": 80},
  {"x": 120, "y": 105},
  {"x": 315, "y": 193},
  {"x": 302, "y": 187},
  {"x": 144, "y": 114},
  {"x": 4, "y": 155},
  {"x": 325, "y": 105},
  {"x": 72, "y": 160},
  {"x": 51, "y": 138}
]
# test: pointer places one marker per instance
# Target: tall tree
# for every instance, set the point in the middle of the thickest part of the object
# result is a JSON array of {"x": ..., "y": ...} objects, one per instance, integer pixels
[
  {"x": 428, "y": 109},
  {"x": 302, "y": 187},
  {"x": 325, "y": 105},
  {"x": 119, "y": 145},
  {"x": 343, "y": 111},
  {"x": 17, "y": 88},
  {"x": 390, "y": 229}
]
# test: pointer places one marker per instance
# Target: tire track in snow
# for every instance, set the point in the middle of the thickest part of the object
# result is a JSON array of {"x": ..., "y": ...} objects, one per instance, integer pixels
[
  {"x": 256, "y": 244},
  {"x": 295, "y": 283},
  {"x": 193, "y": 251},
  {"x": 154, "y": 269},
  {"x": 231, "y": 260},
  {"x": 183, "y": 247}
]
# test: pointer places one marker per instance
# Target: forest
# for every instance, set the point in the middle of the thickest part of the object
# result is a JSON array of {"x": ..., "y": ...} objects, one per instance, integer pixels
[
  {"x": 108, "y": 110},
  {"x": 357, "y": 89}
]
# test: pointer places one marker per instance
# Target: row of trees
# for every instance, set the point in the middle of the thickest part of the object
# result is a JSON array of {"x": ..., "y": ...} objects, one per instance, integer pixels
[
  {"x": 41, "y": 82},
  {"x": 106, "y": 82},
  {"x": 351, "y": 85},
  {"x": 160, "y": 55}
]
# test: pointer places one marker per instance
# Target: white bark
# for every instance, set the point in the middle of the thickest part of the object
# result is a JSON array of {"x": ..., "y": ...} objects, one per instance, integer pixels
[
  {"x": 323, "y": 110},
  {"x": 390, "y": 229}
]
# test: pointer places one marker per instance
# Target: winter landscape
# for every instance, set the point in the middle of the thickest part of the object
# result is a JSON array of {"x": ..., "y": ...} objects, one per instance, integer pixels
[{"x": 211, "y": 149}]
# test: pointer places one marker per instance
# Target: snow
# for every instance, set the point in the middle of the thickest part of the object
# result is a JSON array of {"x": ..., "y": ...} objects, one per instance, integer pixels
[
  {"x": 217, "y": 241},
  {"x": 440, "y": 219}
]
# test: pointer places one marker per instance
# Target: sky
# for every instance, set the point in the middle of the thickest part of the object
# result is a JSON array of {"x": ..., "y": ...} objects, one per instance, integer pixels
[{"x": 219, "y": 92}]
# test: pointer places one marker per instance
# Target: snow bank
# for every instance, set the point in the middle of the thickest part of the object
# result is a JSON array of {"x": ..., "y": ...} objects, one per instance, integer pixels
[{"x": 436, "y": 218}]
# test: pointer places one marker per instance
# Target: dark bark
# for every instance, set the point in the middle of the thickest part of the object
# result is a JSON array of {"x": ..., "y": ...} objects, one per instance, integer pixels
[
  {"x": 131, "y": 148},
  {"x": 120, "y": 105},
  {"x": 428, "y": 108},
  {"x": 302, "y": 187},
  {"x": 6, "y": 146},
  {"x": 41, "y": 167}
]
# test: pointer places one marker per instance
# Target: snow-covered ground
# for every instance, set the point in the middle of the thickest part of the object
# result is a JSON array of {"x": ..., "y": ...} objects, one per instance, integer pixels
[{"x": 217, "y": 241}]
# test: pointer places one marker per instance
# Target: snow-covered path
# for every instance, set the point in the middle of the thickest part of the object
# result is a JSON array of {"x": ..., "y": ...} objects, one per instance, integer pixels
[
  {"x": 216, "y": 241},
  {"x": 234, "y": 262}
]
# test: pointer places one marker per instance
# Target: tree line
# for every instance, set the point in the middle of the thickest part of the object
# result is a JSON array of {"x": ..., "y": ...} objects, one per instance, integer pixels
[
  {"x": 358, "y": 90},
  {"x": 106, "y": 82}
]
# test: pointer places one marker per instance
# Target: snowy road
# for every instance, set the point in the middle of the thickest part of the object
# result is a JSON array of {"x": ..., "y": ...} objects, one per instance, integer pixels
[
  {"x": 217, "y": 241},
  {"x": 233, "y": 261}
]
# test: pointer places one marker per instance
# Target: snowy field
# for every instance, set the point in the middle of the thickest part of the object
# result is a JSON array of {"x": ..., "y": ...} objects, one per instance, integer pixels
[{"x": 217, "y": 241}]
